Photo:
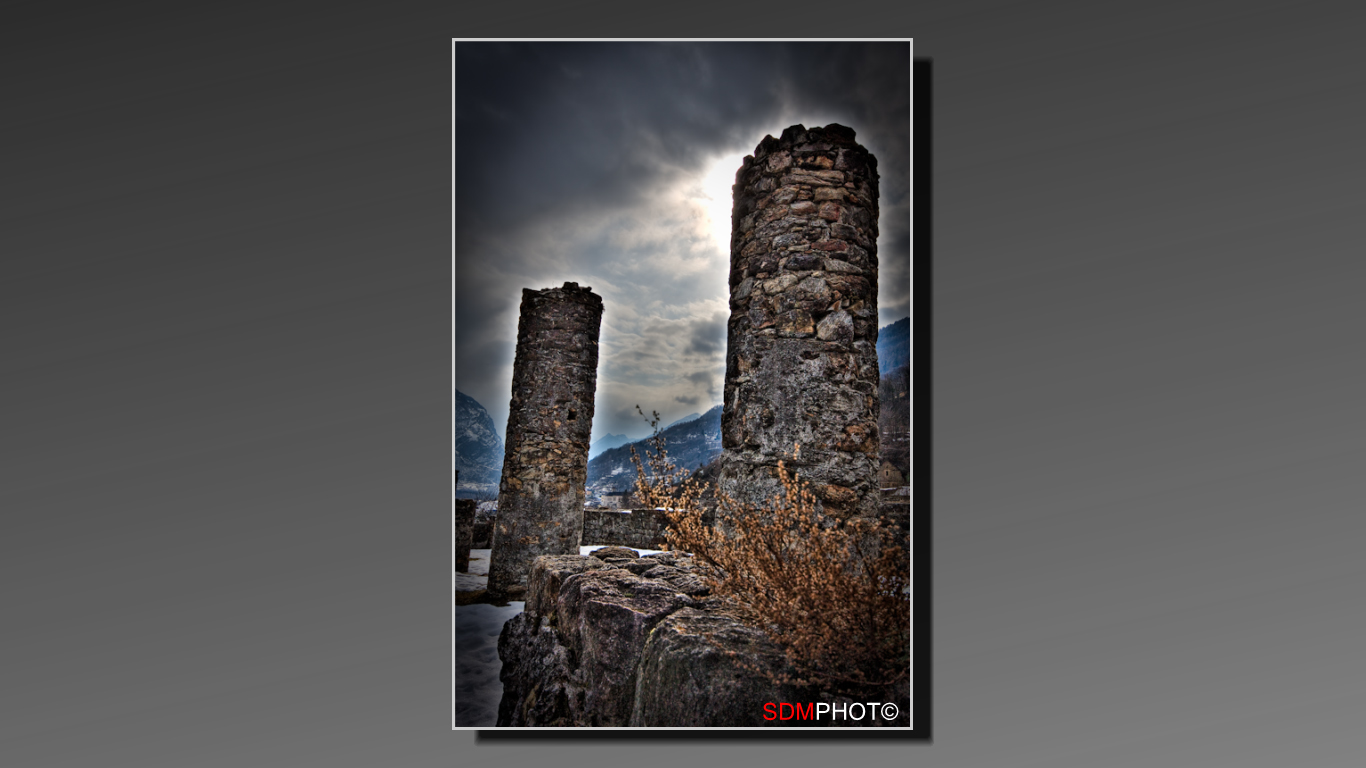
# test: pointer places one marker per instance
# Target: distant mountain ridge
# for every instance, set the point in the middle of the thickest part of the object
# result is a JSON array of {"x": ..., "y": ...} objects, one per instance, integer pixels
[
  {"x": 690, "y": 445},
  {"x": 893, "y": 346},
  {"x": 684, "y": 420},
  {"x": 478, "y": 449},
  {"x": 607, "y": 442}
]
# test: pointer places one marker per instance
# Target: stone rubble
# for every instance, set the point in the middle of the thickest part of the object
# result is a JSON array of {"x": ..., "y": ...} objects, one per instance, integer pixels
[{"x": 617, "y": 639}]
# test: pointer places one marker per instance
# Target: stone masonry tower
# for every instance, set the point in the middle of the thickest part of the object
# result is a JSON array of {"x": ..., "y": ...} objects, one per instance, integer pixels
[
  {"x": 550, "y": 420},
  {"x": 801, "y": 355}
]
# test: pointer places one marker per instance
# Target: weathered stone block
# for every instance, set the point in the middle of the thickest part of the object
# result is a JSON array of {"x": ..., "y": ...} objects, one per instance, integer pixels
[
  {"x": 836, "y": 326},
  {"x": 543, "y": 592},
  {"x": 813, "y": 178},
  {"x": 802, "y": 262},
  {"x": 693, "y": 671},
  {"x": 572, "y": 656},
  {"x": 641, "y": 645}
]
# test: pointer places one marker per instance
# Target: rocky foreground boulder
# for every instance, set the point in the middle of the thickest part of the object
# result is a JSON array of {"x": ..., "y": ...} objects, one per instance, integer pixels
[{"x": 616, "y": 639}]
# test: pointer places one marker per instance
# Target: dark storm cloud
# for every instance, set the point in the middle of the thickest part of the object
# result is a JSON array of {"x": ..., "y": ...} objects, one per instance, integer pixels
[
  {"x": 533, "y": 138},
  {"x": 894, "y": 277},
  {"x": 706, "y": 379},
  {"x": 708, "y": 336},
  {"x": 573, "y": 162},
  {"x": 548, "y": 142}
]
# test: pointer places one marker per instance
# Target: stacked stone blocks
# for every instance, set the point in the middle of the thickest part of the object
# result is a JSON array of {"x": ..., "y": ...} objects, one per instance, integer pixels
[
  {"x": 550, "y": 420},
  {"x": 801, "y": 357}
]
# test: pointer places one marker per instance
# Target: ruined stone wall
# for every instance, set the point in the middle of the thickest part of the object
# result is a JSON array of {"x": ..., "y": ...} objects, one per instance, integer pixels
[
  {"x": 482, "y": 536},
  {"x": 801, "y": 356},
  {"x": 550, "y": 418},
  {"x": 639, "y": 528},
  {"x": 464, "y": 533}
]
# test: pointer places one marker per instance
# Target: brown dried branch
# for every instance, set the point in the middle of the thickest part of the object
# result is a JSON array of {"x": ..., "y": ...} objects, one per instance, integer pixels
[{"x": 832, "y": 593}]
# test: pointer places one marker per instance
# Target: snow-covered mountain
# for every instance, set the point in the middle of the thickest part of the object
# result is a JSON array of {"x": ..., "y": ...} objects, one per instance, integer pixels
[{"x": 478, "y": 449}]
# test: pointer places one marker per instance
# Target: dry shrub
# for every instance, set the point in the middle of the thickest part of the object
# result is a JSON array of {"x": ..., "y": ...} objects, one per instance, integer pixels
[{"x": 834, "y": 594}]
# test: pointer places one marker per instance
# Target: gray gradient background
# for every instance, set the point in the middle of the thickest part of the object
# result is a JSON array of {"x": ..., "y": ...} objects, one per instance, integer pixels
[{"x": 226, "y": 426}]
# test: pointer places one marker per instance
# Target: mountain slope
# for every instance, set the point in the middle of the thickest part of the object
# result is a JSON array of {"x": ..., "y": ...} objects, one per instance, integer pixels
[
  {"x": 893, "y": 346},
  {"x": 607, "y": 442},
  {"x": 684, "y": 420},
  {"x": 689, "y": 444},
  {"x": 478, "y": 449}
]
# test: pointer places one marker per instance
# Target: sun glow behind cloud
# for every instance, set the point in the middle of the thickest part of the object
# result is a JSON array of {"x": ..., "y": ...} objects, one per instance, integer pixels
[
  {"x": 715, "y": 198},
  {"x": 668, "y": 259}
]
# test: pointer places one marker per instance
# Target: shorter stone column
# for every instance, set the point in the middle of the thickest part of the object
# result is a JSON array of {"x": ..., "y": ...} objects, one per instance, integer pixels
[{"x": 550, "y": 421}]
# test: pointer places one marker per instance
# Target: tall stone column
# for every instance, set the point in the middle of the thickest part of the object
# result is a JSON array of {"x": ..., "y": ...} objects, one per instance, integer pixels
[
  {"x": 550, "y": 421},
  {"x": 801, "y": 354}
]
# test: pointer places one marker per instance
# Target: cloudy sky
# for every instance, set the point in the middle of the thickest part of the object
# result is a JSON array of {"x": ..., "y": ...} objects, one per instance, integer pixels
[{"x": 610, "y": 165}]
